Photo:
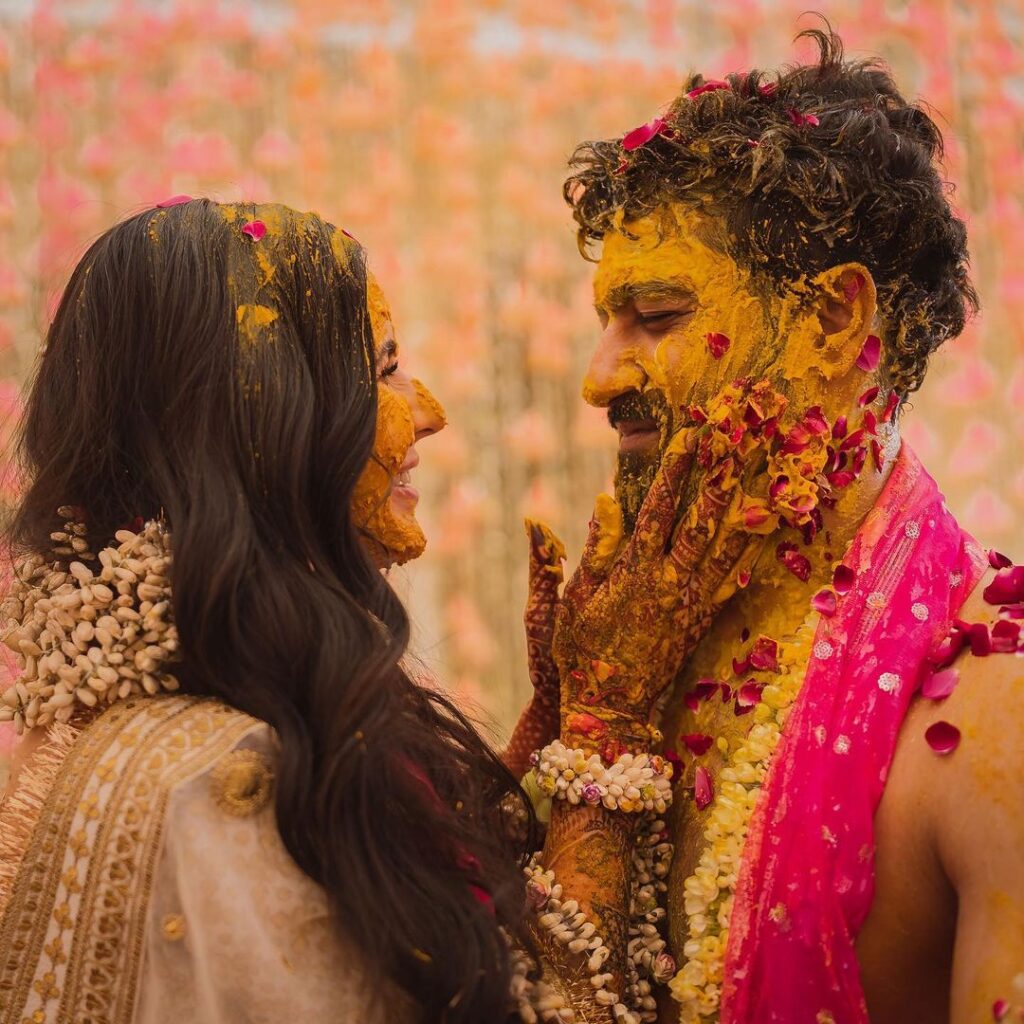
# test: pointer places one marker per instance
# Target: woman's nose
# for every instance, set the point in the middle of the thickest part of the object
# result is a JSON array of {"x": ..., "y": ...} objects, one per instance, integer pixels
[{"x": 428, "y": 415}]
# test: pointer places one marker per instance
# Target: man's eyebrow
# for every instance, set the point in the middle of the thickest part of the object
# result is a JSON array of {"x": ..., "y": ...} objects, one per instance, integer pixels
[{"x": 623, "y": 294}]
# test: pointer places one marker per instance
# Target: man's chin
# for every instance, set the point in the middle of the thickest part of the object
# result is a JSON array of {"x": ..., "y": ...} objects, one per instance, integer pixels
[{"x": 634, "y": 476}]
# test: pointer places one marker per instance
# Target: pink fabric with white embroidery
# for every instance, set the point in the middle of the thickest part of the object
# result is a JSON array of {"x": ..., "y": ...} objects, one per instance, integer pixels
[{"x": 807, "y": 879}]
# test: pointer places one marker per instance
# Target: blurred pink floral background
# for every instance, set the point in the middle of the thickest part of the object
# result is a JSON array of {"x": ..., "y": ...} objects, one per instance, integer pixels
[{"x": 437, "y": 132}]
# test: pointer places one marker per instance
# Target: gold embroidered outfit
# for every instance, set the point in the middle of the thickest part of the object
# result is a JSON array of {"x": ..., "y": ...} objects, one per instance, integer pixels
[{"x": 154, "y": 887}]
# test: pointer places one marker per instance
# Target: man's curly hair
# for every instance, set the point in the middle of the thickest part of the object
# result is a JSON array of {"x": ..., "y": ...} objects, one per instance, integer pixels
[{"x": 810, "y": 167}]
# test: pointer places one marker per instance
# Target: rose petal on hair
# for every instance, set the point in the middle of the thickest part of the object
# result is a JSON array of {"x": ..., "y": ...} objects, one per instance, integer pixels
[
  {"x": 824, "y": 602},
  {"x": 942, "y": 737},
  {"x": 843, "y": 579},
  {"x": 173, "y": 201},
  {"x": 868, "y": 397},
  {"x": 998, "y": 560},
  {"x": 980, "y": 639},
  {"x": 348, "y": 234},
  {"x": 255, "y": 229},
  {"x": 764, "y": 656},
  {"x": 941, "y": 684},
  {"x": 641, "y": 136},
  {"x": 1007, "y": 587},
  {"x": 870, "y": 354},
  {"x": 852, "y": 287},
  {"x": 769, "y": 89},
  {"x": 1000, "y": 1008},
  {"x": 698, "y": 743},
  {"x": 713, "y": 86},
  {"x": 800, "y": 120},
  {"x": 890, "y": 406},
  {"x": 718, "y": 344},
  {"x": 703, "y": 789},
  {"x": 753, "y": 143}
]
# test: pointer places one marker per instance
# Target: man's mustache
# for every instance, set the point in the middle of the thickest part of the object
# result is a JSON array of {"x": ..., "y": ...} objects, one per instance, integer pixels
[{"x": 636, "y": 407}]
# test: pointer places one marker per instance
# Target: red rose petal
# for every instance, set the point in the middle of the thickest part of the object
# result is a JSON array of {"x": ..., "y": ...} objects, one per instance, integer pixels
[
  {"x": 255, "y": 229},
  {"x": 942, "y": 737},
  {"x": 705, "y": 688},
  {"x": 726, "y": 693},
  {"x": 859, "y": 458},
  {"x": 852, "y": 287},
  {"x": 1005, "y": 637},
  {"x": 769, "y": 89},
  {"x": 839, "y": 429},
  {"x": 868, "y": 397},
  {"x": 1007, "y": 587},
  {"x": 852, "y": 440},
  {"x": 765, "y": 654},
  {"x": 779, "y": 486},
  {"x": 940, "y": 685},
  {"x": 841, "y": 479},
  {"x": 870, "y": 354},
  {"x": 749, "y": 694},
  {"x": 798, "y": 564},
  {"x": 824, "y": 602},
  {"x": 998, "y": 560},
  {"x": 948, "y": 650},
  {"x": 1000, "y": 1008},
  {"x": 703, "y": 790},
  {"x": 712, "y": 86},
  {"x": 1012, "y": 611},
  {"x": 740, "y": 668},
  {"x": 743, "y": 580},
  {"x": 718, "y": 344},
  {"x": 173, "y": 201},
  {"x": 843, "y": 579},
  {"x": 692, "y": 701},
  {"x": 697, "y": 414},
  {"x": 697, "y": 743},
  {"x": 877, "y": 455},
  {"x": 890, "y": 406},
  {"x": 641, "y": 136},
  {"x": 815, "y": 422},
  {"x": 980, "y": 639}
]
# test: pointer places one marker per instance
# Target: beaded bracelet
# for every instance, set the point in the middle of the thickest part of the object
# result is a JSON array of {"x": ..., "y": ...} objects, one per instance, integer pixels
[{"x": 634, "y": 783}]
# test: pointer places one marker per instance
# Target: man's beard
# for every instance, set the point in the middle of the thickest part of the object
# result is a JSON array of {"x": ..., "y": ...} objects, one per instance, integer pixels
[{"x": 636, "y": 471}]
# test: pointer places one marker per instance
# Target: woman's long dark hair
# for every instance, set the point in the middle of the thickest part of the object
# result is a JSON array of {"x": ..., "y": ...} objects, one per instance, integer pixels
[{"x": 227, "y": 382}]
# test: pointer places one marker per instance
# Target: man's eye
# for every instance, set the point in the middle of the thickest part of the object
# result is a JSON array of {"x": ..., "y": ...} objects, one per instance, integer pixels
[
  {"x": 662, "y": 318},
  {"x": 388, "y": 370}
]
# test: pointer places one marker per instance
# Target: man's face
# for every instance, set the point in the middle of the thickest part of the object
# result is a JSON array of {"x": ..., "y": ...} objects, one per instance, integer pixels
[{"x": 679, "y": 321}]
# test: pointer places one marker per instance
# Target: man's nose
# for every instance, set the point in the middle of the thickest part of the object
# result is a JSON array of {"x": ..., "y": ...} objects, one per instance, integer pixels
[
  {"x": 614, "y": 369},
  {"x": 428, "y": 415}
]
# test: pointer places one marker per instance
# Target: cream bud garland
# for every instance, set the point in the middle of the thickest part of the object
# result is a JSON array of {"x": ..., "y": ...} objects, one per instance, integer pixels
[
  {"x": 92, "y": 631},
  {"x": 634, "y": 783}
]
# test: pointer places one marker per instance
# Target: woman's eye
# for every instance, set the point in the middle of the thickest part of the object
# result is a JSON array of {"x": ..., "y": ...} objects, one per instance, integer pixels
[{"x": 388, "y": 370}]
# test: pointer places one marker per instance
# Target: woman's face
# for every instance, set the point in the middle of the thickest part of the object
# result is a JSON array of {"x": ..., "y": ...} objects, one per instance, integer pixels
[{"x": 384, "y": 501}]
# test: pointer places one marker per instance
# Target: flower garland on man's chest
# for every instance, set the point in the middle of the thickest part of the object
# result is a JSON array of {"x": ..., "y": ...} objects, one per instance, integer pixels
[{"x": 770, "y": 682}]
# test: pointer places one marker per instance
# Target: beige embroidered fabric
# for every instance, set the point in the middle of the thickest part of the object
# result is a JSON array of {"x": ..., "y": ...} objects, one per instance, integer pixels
[{"x": 155, "y": 888}]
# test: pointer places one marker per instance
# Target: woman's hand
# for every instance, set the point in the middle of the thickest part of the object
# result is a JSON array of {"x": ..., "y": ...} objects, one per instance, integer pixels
[{"x": 626, "y": 623}]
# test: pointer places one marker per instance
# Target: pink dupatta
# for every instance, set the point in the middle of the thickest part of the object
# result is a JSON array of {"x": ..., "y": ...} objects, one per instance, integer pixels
[{"x": 807, "y": 878}]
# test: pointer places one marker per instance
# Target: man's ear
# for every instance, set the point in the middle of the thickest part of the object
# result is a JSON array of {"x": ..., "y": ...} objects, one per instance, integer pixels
[{"x": 846, "y": 305}]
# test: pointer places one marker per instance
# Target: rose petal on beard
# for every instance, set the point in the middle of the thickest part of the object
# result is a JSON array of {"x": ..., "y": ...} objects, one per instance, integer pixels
[
  {"x": 1000, "y": 1008},
  {"x": 877, "y": 455},
  {"x": 839, "y": 429},
  {"x": 942, "y": 737},
  {"x": 796, "y": 562},
  {"x": 859, "y": 458},
  {"x": 824, "y": 602},
  {"x": 868, "y": 397},
  {"x": 941, "y": 684},
  {"x": 998, "y": 560},
  {"x": 870, "y": 354},
  {"x": 841, "y": 479},
  {"x": 641, "y": 136},
  {"x": 1007, "y": 587},
  {"x": 703, "y": 788},
  {"x": 815, "y": 422},
  {"x": 843, "y": 579},
  {"x": 740, "y": 668},
  {"x": 698, "y": 743},
  {"x": 870, "y": 423},
  {"x": 718, "y": 344},
  {"x": 852, "y": 440},
  {"x": 726, "y": 693}
]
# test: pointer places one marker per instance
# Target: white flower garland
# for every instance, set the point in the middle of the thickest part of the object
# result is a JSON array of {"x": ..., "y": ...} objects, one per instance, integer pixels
[
  {"x": 90, "y": 632},
  {"x": 708, "y": 892},
  {"x": 634, "y": 783}
]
